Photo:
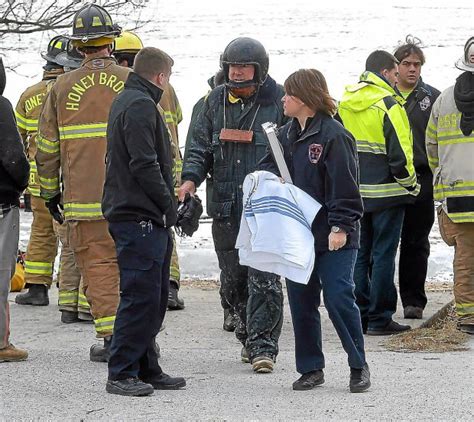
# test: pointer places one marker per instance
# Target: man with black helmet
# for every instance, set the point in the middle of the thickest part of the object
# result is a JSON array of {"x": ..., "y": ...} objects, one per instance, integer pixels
[
  {"x": 42, "y": 246},
  {"x": 72, "y": 144},
  {"x": 227, "y": 141}
]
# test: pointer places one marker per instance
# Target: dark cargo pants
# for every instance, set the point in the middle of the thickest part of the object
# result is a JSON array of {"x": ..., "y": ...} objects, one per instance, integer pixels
[
  {"x": 143, "y": 255},
  {"x": 256, "y": 296}
]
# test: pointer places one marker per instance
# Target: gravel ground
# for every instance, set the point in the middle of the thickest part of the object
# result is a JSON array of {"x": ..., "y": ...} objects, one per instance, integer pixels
[{"x": 59, "y": 383}]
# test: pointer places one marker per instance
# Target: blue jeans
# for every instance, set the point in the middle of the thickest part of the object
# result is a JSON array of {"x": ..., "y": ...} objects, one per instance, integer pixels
[
  {"x": 332, "y": 274},
  {"x": 375, "y": 267},
  {"x": 143, "y": 256}
]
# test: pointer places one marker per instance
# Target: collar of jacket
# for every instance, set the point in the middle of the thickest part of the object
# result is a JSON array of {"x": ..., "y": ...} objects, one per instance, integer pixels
[
  {"x": 107, "y": 59},
  {"x": 52, "y": 74},
  {"x": 420, "y": 91},
  {"x": 313, "y": 128},
  {"x": 266, "y": 93},
  {"x": 135, "y": 81}
]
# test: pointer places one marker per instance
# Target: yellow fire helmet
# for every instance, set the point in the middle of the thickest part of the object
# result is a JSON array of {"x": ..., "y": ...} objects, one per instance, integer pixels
[{"x": 128, "y": 42}]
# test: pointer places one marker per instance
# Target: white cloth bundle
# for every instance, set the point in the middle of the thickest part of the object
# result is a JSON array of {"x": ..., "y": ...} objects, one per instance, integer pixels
[{"x": 275, "y": 229}]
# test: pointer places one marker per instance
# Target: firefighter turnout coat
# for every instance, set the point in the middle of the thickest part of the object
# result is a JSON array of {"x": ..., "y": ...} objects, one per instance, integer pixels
[
  {"x": 27, "y": 113},
  {"x": 72, "y": 135},
  {"x": 451, "y": 158}
]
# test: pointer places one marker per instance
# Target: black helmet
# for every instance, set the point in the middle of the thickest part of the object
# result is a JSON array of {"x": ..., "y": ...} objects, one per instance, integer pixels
[
  {"x": 71, "y": 58},
  {"x": 244, "y": 50},
  {"x": 93, "y": 26},
  {"x": 56, "y": 46}
]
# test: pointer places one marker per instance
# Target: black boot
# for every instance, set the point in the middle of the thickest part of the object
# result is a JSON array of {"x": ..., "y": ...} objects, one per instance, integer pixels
[
  {"x": 129, "y": 387},
  {"x": 100, "y": 353},
  {"x": 360, "y": 379},
  {"x": 174, "y": 302},
  {"x": 69, "y": 317},
  {"x": 37, "y": 295},
  {"x": 230, "y": 320},
  {"x": 27, "y": 202}
]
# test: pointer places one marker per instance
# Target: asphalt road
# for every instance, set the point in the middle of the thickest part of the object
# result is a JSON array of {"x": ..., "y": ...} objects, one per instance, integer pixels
[{"x": 58, "y": 382}]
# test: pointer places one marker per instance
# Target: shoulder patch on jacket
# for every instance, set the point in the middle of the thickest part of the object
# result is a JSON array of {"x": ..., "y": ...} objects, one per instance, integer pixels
[{"x": 389, "y": 102}]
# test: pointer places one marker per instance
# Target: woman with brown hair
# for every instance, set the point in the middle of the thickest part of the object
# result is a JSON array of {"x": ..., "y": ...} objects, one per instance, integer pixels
[{"x": 322, "y": 160}]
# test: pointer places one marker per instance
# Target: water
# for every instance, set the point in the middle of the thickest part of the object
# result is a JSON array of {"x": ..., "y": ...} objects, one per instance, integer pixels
[{"x": 334, "y": 37}]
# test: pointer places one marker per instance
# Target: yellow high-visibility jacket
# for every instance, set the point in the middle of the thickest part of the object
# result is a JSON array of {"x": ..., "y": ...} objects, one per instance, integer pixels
[
  {"x": 71, "y": 139},
  {"x": 451, "y": 158},
  {"x": 373, "y": 112}
]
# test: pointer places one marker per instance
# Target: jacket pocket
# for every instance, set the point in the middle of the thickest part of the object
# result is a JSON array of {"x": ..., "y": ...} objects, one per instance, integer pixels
[{"x": 220, "y": 209}]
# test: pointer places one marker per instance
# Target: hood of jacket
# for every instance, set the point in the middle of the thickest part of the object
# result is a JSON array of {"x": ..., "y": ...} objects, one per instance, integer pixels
[
  {"x": 136, "y": 81},
  {"x": 370, "y": 89}
]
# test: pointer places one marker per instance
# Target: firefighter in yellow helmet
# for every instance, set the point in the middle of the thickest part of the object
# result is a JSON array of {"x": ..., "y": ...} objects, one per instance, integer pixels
[
  {"x": 42, "y": 246},
  {"x": 126, "y": 48},
  {"x": 71, "y": 144}
]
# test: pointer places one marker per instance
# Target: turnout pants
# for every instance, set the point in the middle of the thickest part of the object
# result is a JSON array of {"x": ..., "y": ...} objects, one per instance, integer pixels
[
  {"x": 414, "y": 252},
  {"x": 175, "y": 273},
  {"x": 333, "y": 274},
  {"x": 461, "y": 236},
  {"x": 143, "y": 254},
  {"x": 71, "y": 289},
  {"x": 42, "y": 246},
  {"x": 374, "y": 271},
  {"x": 256, "y": 296},
  {"x": 9, "y": 236},
  {"x": 96, "y": 258}
]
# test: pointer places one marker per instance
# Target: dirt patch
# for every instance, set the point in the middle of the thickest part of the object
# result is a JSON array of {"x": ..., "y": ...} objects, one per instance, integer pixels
[
  {"x": 442, "y": 336},
  {"x": 204, "y": 284}
]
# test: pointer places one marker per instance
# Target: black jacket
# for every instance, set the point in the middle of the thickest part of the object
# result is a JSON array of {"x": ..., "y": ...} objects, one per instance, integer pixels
[
  {"x": 230, "y": 162},
  {"x": 14, "y": 167},
  {"x": 418, "y": 106},
  {"x": 322, "y": 161},
  {"x": 139, "y": 181}
]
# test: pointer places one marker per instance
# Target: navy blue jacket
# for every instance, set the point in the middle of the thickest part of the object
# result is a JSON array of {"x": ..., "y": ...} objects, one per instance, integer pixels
[
  {"x": 418, "y": 106},
  {"x": 322, "y": 160}
]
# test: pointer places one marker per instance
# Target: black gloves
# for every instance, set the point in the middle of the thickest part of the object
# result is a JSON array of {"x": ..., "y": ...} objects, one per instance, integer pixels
[
  {"x": 55, "y": 208},
  {"x": 189, "y": 212}
]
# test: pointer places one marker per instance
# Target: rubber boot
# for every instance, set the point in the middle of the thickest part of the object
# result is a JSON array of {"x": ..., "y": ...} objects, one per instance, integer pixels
[
  {"x": 27, "y": 202},
  {"x": 37, "y": 295},
  {"x": 99, "y": 353}
]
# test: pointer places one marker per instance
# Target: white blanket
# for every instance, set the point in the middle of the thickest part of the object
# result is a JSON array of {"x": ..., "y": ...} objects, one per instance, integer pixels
[{"x": 275, "y": 230}]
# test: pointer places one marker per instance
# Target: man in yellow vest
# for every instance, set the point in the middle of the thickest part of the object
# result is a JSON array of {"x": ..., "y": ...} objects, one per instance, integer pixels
[
  {"x": 71, "y": 146},
  {"x": 126, "y": 48}
]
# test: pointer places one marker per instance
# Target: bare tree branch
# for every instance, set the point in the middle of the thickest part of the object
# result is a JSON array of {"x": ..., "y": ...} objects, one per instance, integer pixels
[{"x": 27, "y": 17}]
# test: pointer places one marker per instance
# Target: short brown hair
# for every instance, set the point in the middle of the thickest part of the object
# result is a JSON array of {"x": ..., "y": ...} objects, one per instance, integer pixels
[
  {"x": 411, "y": 46},
  {"x": 309, "y": 85},
  {"x": 151, "y": 61}
]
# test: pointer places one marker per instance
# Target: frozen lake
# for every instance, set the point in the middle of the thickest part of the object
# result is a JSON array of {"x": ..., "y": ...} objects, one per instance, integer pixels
[{"x": 334, "y": 37}]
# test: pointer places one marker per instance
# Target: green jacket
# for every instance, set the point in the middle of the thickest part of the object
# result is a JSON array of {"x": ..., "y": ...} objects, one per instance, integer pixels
[
  {"x": 373, "y": 112},
  {"x": 230, "y": 162}
]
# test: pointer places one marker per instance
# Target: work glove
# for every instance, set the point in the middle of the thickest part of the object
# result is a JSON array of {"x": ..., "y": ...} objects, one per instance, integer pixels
[
  {"x": 55, "y": 208},
  {"x": 189, "y": 212}
]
